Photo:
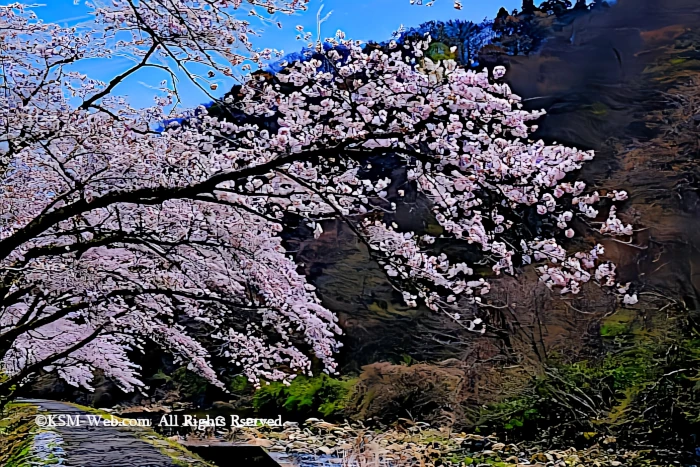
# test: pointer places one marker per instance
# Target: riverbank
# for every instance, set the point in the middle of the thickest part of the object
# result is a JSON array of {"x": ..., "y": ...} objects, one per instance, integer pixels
[
  {"x": 313, "y": 443},
  {"x": 317, "y": 442}
]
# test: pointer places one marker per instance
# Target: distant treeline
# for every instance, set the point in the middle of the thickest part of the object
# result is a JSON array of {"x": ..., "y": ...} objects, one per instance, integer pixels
[
  {"x": 470, "y": 44},
  {"x": 518, "y": 32}
]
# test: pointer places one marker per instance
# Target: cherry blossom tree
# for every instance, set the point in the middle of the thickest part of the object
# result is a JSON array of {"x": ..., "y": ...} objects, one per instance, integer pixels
[{"x": 113, "y": 234}]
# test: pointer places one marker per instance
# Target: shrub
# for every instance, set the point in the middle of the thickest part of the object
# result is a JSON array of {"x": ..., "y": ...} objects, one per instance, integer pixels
[{"x": 320, "y": 396}]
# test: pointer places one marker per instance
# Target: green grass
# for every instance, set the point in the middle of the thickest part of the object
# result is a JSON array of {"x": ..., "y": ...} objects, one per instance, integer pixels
[
  {"x": 678, "y": 61},
  {"x": 17, "y": 431},
  {"x": 599, "y": 109},
  {"x": 320, "y": 395},
  {"x": 613, "y": 329},
  {"x": 645, "y": 386}
]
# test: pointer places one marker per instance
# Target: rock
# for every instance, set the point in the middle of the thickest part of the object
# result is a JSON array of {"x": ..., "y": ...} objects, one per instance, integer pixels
[
  {"x": 266, "y": 443},
  {"x": 223, "y": 406},
  {"x": 408, "y": 446},
  {"x": 324, "y": 425}
]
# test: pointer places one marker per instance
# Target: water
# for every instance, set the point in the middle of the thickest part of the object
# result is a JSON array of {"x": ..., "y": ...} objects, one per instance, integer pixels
[{"x": 242, "y": 456}]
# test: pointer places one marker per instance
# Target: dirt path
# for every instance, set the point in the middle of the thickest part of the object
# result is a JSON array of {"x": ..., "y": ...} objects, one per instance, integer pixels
[{"x": 103, "y": 446}]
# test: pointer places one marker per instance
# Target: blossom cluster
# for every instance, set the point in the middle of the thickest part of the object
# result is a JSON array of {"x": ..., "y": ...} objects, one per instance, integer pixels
[{"x": 112, "y": 235}]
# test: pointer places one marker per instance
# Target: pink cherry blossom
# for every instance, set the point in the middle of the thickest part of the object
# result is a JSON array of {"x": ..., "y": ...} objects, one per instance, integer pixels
[{"x": 113, "y": 235}]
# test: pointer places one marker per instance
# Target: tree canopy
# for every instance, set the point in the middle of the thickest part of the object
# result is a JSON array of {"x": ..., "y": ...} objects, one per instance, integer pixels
[{"x": 113, "y": 234}]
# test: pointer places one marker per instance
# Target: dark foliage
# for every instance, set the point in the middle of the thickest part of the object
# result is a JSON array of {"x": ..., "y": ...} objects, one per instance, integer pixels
[{"x": 645, "y": 391}]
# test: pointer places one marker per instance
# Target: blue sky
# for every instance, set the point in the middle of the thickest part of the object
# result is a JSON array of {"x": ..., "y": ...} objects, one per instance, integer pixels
[{"x": 360, "y": 19}]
